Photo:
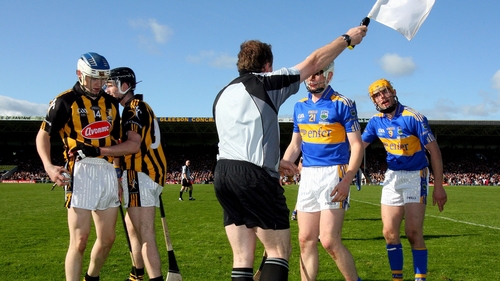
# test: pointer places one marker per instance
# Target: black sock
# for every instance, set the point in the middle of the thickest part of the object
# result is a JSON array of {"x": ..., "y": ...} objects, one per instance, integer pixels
[
  {"x": 242, "y": 274},
  {"x": 159, "y": 278},
  {"x": 275, "y": 269},
  {"x": 139, "y": 272},
  {"x": 190, "y": 193},
  {"x": 136, "y": 273},
  {"x": 180, "y": 194},
  {"x": 90, "y": 278}
]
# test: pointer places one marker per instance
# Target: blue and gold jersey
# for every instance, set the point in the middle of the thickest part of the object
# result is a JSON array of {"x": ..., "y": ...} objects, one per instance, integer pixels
[
  {"x": 404, "y": 138},
  {"x": 323, "y": 126}
]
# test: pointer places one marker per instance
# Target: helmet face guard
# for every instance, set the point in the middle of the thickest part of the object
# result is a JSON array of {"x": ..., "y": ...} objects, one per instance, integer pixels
[
  {"x": 382, "y": 87},
  {"x": 121, "y": 75},
  {"x": 325, "y": 72},
  {"x": 92, "y": 69}
]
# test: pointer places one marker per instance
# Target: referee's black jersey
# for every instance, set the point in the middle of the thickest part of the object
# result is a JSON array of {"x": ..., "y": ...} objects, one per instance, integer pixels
[
  {"x": 138, "y": 116},
  {"x": 77, "y": 118}
]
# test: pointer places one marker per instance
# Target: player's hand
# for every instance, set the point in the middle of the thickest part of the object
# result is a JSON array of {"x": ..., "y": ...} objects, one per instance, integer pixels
[
  {"x": 288, "y": 168},
  {"x": 357, "y": 33},
  {"x": 82, "y": 151},
  {"x": 59, "y": 175},
  {"x": 341, "y": 191},
  {"x": 439, "y": 196}
]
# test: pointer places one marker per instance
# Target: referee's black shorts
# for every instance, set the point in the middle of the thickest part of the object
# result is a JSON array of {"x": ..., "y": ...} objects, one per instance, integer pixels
[
  {"x": 250, "y": 196},
  {"x": 186, "y": 182}
]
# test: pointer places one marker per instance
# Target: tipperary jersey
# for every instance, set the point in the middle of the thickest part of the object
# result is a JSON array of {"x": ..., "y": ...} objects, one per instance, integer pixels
[
  {"x": 323, "y": 126},
  {"x": 78, "y": 119},
  {"x": 404, "y": 138}
]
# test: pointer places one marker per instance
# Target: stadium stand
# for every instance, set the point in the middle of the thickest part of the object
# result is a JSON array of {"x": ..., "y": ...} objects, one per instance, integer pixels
[{"x": 471, "y": 149}]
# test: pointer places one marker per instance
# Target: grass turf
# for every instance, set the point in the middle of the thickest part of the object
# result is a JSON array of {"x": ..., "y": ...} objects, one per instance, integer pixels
[{"x": 463, "y": 241}]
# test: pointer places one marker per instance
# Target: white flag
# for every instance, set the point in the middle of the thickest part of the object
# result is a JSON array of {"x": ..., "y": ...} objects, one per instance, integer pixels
[{"x": 405, "y": 16}]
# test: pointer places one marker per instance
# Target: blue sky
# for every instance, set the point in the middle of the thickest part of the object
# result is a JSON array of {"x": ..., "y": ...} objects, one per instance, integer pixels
[{"x": 185, "y": 51}]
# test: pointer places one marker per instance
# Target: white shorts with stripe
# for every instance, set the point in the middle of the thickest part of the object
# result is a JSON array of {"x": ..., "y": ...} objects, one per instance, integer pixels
[
  {"x": 95, "y": 186},
  {"x": 316, "y": 185},
  {"x": 402, "y": 187},
  {"x": 140, "y": 192}
]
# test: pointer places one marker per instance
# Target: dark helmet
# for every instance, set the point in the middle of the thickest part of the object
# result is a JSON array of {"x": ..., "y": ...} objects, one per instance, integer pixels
[{"x": 123, "y": 75}]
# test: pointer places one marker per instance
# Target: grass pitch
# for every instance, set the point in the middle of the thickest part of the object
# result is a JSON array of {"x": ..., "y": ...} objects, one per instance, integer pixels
[{"x": 463, "y": 240}]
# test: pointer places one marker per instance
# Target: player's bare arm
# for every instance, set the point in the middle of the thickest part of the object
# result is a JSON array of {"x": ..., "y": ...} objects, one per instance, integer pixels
[
  {"x": 292, "y": 152},
  {"x": 54, "y": 172},
  {"x": 439, "y": 196},
  {"x": 323, "y": 56},
  {"x": 130, "y": 146},
  {"x": 341, "y": 191}
]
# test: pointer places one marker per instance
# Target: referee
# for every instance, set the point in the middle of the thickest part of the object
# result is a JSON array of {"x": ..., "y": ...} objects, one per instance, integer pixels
[{"x": 246, "y": 178}]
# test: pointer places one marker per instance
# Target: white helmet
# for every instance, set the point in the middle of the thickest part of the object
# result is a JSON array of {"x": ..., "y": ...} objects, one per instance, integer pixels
[
  {"x": 94, "y": 66},
  {"x": 325, "y": 72}
]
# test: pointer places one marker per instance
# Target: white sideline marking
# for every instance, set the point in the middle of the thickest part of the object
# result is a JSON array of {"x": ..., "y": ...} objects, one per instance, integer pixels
[
  {"x": 439, "y": 217},
  {"x": 465, "y": 222}
]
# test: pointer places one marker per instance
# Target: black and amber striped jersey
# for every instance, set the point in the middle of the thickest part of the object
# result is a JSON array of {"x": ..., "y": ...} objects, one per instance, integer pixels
[
  {"x": 77, "y": 118},
  {"x": 138, "y": 116}
]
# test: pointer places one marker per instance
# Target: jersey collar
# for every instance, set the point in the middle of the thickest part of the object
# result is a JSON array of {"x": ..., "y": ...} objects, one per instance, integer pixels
[{"x": 327, "y": 93}]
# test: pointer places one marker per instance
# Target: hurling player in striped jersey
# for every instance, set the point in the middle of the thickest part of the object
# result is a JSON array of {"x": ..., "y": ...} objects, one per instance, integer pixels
[
  {"x": 84, "y": 117},
  {"x": 407, "y": 137},
  {"x": 144, "y": 167}
]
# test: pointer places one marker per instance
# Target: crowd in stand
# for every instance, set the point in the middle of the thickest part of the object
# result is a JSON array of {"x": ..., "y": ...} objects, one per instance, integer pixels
[
  {"x": 461, "y": 166},
  {"x": 203, "y": 159}
]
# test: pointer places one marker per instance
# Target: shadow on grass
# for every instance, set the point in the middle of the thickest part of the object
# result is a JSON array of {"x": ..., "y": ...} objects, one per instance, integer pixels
[
  {"x": 363, "y": 239},
  {"x": 428, "y": 237},
  {"x": 403, "y": 237}
]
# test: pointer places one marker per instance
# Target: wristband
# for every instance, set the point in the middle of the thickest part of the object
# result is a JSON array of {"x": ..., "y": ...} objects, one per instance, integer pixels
[{"x": 347, "y": 38}]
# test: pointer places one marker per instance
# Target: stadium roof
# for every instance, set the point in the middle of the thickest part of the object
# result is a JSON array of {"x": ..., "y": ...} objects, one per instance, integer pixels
[{"x": 22, "y": 130}]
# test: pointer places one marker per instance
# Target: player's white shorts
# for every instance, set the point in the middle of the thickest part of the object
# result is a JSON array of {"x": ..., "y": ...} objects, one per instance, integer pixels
[
  {"x": 95, "y": 186},
  {"x": 316, "y": 185},
  {"x": 401, "y": 187},
  {"x": 141, "y": 191}
]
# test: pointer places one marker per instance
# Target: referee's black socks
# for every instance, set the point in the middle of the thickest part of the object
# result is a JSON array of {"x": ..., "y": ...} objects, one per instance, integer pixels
[
  {"x": 275, "y": 269},
  {"x": 242, "y": 274}
]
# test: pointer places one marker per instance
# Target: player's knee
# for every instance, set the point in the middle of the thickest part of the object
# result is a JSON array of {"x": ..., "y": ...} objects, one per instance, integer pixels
[
  {"x": 108, "y": 239},
  {"x": 331, "y": 246},
  {"x": 391, "y": 237},
  {"x": 414, "y": 237},
  {"x": 79, "y": 244},
  {"x": 307, "y": 240}
]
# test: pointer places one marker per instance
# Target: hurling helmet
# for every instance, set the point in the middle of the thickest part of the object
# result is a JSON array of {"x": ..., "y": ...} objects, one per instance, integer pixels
[
  {"x": 94, "y": 66},
  {"x": 122, "y": 75},
  {"x": 325, "y": 71}
]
